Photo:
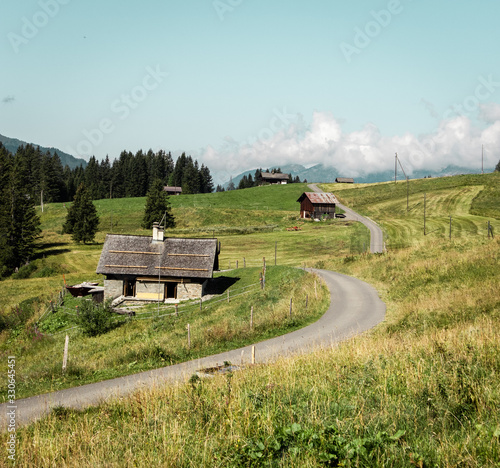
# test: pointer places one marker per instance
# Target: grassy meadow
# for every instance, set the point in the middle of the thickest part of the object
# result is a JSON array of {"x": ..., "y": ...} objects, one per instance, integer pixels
[{"x": 422, "y": 389}]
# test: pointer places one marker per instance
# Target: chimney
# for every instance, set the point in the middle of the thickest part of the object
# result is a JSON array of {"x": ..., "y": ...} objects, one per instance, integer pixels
[{"x": 157, "y": 233}]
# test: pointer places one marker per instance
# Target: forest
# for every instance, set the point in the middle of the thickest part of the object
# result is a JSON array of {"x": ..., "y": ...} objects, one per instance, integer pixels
[{"x": 31, "y": 177}]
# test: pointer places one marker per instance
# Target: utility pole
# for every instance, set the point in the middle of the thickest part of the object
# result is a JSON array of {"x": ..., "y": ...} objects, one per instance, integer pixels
[
  {"x": 424, "y": 211},
  {"x": 396, "y": 168},
  {"x": 482, "y": 159}
]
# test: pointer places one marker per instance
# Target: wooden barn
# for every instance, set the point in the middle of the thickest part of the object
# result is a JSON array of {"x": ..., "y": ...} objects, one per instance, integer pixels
[
  {"x": 315, "y": 205},
  {"x": 344, "y": 180},
  {"x": 172, "y": 190},
  {"x": 155, "y": 268},
  {"x": 274, "y": 178}
]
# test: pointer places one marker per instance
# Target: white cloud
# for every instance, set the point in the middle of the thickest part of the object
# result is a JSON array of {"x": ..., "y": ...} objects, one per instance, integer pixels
[
  {"x": 489, "y": 112},
  {"x": 455, "y": 142}
]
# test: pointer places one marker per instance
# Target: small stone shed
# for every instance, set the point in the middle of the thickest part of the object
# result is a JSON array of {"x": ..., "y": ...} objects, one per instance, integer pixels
[
  {"x": 157, "y": 268},
  {"x": 315, "y": 205}
]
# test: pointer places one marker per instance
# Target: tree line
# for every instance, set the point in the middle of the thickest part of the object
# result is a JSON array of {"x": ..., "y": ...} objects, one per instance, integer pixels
[
  {"x": 31, "y": 177},
  {"x": 130, "y": 175},
  {"x": 247, "y": 181}
]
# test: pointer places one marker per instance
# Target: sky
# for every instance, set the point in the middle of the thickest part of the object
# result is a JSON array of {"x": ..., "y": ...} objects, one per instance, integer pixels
[{"x": 242, "y": 84}]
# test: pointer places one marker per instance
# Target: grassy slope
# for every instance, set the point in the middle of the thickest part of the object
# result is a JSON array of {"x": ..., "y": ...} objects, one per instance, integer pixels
[
  {"x": 143, "y": 344},
  {"x": 420, "y": 390}
]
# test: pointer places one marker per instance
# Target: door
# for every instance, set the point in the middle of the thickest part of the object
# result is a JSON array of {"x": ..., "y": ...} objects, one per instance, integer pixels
[
  {"x": 129, "y": 288},
  {"x": 170, "y": 290}
]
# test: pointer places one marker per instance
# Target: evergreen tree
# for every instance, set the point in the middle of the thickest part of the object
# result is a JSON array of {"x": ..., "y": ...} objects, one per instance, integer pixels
[
  {"x": 82, "y": 221},
  {"x": 231, "y": 186},
  {"x": 19, "y": 223},
  {"x": 207, "y": 184},
  {"x": 497, "y": 169},
  {"x": 7, "y": 262},
  {"x": 157, "y": 206}
]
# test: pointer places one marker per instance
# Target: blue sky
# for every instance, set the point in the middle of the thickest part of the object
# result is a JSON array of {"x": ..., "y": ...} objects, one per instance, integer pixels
[{"x": 246, "y": 83}]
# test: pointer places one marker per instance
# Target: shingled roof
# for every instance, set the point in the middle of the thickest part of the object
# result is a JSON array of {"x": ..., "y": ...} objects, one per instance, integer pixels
[
  {"x": 139, "y": 256},
  {"x": 319, "y": 198}
]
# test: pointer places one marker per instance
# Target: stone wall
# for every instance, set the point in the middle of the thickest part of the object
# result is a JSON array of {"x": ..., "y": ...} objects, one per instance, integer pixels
[{"x": 112, "y": 288}]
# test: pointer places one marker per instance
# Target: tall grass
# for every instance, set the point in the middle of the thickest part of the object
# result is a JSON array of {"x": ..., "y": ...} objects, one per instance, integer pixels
[{"x": 422, "y": 389}]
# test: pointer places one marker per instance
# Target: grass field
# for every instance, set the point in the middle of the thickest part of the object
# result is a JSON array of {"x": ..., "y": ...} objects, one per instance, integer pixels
[{"x": 422, "y": 389}]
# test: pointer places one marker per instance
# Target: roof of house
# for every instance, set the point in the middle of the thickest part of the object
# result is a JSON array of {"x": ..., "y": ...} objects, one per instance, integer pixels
[
  {"x": 344, "y": 180},
  {"x": 168, "y": 188},
  {"x": 139, "y": 256},
  {"x": 319, "y": 198},
  {"x": 274, "y": 175}
]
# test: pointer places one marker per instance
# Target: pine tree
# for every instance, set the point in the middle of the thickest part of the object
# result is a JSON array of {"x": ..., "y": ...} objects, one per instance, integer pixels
[
  {"x": 82, "y": 221},
  {"x": 497, "y": 169},
  {"x": 157, "y": 206}
]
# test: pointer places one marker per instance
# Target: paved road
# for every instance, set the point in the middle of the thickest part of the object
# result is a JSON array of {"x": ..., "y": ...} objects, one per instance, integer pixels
[
  {"x": 354, "y": 308},
  {"x": 376, "y": 235}
]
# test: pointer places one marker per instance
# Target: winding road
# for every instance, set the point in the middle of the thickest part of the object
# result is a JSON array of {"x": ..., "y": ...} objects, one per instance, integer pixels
[
  {"x": 354, "y": 307},
  {"x": 376, "y": 234}
]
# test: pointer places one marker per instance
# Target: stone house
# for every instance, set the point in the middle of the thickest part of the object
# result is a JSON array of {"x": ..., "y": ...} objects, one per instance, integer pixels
[{"x": 157, "y": 268}]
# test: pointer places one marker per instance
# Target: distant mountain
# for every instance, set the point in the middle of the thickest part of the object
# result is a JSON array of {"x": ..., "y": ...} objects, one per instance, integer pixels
[
  {"x": 11, "y": 144},
  {"x": 322, "y": 174}
]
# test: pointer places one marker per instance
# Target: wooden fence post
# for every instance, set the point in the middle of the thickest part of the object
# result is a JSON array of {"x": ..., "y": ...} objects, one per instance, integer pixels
[
  {"x": 251, "y": 318},
  {"x": 189, "y": 335},
  {"x": 200, "y": 303},
  {"x": 65, "y": 356},
  {"x": 236, "y": 264},
  {"x": 228, "y": 295},
  {"x": 244, "y": 262},
  {"x": 290, "y": 312},
  {"x": 307, "y": 300},
  {"x": 253, "y": 354}
]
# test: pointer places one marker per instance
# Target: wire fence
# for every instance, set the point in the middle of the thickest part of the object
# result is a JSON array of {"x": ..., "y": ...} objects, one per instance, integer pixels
[{"x": 175, "y": 309}]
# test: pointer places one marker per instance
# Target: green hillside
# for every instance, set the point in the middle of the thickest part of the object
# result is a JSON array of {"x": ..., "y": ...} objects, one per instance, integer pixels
[{"x": 421, "y": 389}]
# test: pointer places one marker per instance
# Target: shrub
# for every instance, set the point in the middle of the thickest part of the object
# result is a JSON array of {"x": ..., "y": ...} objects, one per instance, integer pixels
[
  {"x": 25, "y": 271},
  {"x": 94, "y": 319}
]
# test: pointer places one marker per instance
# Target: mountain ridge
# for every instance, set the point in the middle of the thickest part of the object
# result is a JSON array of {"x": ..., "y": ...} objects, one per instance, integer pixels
[{"x": 12, "y": 144}]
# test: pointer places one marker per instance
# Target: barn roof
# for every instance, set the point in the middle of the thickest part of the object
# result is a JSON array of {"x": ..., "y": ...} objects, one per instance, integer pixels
[
  {"x": 168, "y": 188},
  {"x": 344, "y": 180},
  {"x": 138, "y": 255},
  {"x": 274, "y": 176},
  {"x": 319, "y": 198}
]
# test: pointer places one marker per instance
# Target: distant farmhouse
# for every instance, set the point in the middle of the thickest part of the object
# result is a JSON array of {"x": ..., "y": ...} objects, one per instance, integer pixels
[
  {"x": 344, "y": 180},
  {"x": 274, "y": 178},
  {"x": 315, "y": 205},
  {"x": 172, "y": 190},
  {"x": 155, "y": 268}
]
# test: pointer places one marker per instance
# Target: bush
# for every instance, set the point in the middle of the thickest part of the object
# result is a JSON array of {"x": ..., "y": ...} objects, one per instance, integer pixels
[
  {"x": 25, "y": 271},
  {"x": 94, "y": 319}
]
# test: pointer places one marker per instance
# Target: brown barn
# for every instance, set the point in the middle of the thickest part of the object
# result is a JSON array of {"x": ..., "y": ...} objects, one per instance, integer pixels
[
  {"x": 154, "y": 268},
  {"x": 344, "y": 180},
  {"x": 172, "y": 190},
  {"x": 274, "y": 178},
  {"x": 315, "y": 205}
]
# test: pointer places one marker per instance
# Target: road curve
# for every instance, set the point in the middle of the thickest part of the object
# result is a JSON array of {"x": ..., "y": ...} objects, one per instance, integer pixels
[
  {"x": 354, "y": 308},
  {"x": 376, "y": 235}
]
